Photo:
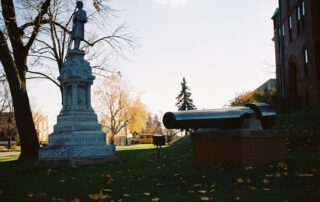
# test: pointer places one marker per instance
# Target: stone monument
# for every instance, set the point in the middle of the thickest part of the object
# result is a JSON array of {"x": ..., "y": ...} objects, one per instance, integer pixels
[{"x": 77, "y": 137}]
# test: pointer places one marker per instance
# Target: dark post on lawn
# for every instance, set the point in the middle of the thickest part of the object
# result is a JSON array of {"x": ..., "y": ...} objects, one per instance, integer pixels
[{"x": 158, "y": 140}]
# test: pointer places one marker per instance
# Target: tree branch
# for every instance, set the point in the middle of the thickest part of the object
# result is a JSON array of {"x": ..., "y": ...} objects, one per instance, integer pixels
[
  {"x": 44, "y": 76},
  {"x": 45, "y": 21},
  {"x": 37, "y": 23}
]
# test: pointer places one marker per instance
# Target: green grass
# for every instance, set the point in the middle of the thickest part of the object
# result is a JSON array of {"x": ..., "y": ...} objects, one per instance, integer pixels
[
  {"x": 9, "y": 158},
  {"x": 135, "y": 147},
  {"x": 138, "y": 176}
]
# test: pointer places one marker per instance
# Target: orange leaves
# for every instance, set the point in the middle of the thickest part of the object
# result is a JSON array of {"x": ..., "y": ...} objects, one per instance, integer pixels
[
  {"x": 282, "y": 165},
  {"x": 239, "y": 180},
  {"x": 36, "y": 195},
  {"x": 109, "y": 178},
  {"x": 266, "y": 181},
  {"x": 203, "y": 198},
  {"x": 75, "y": 200},
  {"x": 56, "y": 199},
  {"x": 99, "y": 196}
]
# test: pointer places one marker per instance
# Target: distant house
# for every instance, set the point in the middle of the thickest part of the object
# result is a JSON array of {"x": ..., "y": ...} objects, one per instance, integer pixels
[
  {"x": 297, "y": 51},
  {"x": 42, "y": 126}
]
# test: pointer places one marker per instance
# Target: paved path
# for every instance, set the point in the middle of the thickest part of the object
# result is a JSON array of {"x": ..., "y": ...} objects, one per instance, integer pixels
[{"x": 9, "y": 153}]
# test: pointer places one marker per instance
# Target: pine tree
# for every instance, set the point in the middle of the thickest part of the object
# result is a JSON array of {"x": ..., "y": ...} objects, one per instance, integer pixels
[{"x": 184, "y": 101}]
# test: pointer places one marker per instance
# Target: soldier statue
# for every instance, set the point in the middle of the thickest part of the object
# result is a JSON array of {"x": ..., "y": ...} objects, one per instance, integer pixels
[{"x": 79, "y": 19}]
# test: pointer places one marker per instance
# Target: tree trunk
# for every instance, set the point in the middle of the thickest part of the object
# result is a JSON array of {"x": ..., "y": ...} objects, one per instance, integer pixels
[
  {"x": 23, "y": 116},
  {"x": 26, "y": 129}
]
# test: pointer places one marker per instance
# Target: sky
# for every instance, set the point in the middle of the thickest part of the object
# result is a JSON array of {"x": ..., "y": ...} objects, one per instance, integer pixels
[{"x": 222, "y": 48}]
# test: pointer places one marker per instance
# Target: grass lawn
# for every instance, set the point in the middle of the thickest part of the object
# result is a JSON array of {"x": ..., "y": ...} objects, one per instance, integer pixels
[
  {"x": 8, "y": 158},
  {"x": 138, "y": 176}
]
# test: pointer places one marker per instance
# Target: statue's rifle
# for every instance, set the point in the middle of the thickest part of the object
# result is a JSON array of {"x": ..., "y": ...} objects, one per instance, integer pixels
[{"x": 71, "y": 17}]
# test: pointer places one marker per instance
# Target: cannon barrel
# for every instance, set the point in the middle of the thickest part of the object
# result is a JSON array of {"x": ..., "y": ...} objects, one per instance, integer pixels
[{"x": 225, "y": 119}]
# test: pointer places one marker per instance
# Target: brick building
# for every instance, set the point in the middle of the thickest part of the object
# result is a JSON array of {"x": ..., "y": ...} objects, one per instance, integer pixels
[{"x": 298, "y": 71}]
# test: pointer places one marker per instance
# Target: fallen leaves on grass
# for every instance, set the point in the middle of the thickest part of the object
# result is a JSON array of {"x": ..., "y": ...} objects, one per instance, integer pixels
[
  {"x": 202, "y": 191},
  {"x": 239, "y": 180},
  {"x": 155, "y": 199},
  {"x": 252, "y": 188},
  {"x": 282, "y": 165},
  {"x": 75, "y": 200},
  {"x": 56, "y": 199},
  {"x": 266, "y": 181},
  {"x": 99, "y": 196},
  {"x": 146, "y": 194},
  {"x": 36, "y": 195},
  {"x": 203, "y": 198},
  {"x": 248, "y": 168},
  {"x": 306, "y": 175}
]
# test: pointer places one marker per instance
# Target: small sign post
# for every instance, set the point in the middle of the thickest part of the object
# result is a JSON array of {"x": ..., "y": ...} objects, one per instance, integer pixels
[{"x": 158, "y": 140}]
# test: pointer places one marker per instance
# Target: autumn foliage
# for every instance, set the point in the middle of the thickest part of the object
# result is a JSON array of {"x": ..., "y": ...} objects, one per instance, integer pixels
[{"x": 246, "y": 97}]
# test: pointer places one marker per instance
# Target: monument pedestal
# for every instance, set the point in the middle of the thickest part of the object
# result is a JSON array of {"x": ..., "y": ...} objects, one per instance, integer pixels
[
  {"x": 77, "y": 136},
  {"x": 237, "y": 148}
]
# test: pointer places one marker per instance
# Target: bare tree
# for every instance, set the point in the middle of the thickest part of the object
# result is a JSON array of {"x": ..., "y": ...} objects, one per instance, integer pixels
[{"x": 105, "y": 41}]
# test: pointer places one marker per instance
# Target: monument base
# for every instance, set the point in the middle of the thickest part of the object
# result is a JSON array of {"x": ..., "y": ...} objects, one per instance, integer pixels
[
  {"x": 77, "y": 155},
  {"x": 236, "y": 148}
]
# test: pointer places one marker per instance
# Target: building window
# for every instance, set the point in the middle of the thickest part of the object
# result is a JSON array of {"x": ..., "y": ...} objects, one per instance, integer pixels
[
  {"x": 298, "y": 19},
  {"x": 303, "y": 8},
  {"x": 290, "y": 28},
  {"x": 303, "y": 12},
  {"x": 306, "y": 61}
]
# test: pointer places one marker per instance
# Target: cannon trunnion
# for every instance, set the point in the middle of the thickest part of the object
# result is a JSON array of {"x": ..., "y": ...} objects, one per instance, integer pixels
[{"x": 225, "y": 119}]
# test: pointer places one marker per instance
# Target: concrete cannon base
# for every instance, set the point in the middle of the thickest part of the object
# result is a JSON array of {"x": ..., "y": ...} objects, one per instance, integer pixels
[{"x": 237, "y": 148}]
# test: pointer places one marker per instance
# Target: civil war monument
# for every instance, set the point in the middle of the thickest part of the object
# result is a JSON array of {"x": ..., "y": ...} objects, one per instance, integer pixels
[{"x": 77, "y": 137}]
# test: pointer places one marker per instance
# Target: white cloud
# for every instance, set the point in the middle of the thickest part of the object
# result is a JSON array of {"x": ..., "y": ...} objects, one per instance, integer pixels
[{"x": 171, "y": 2}]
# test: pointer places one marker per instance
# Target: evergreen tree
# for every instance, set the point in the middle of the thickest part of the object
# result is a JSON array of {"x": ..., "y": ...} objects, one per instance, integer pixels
[{"x": 184, "y": 101}]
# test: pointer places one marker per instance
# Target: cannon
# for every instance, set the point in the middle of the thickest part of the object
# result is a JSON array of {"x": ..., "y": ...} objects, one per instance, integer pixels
[{"x": 224, "y": 119}]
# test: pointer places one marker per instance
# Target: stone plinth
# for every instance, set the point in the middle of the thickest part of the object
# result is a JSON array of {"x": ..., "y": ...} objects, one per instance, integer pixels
[
  {"x": 77, "y": 136},
  {"x": 237, "y": 148}
]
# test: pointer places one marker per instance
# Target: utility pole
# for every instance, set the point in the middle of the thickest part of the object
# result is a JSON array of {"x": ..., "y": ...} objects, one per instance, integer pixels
[{"x": 284, "y": 96}]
